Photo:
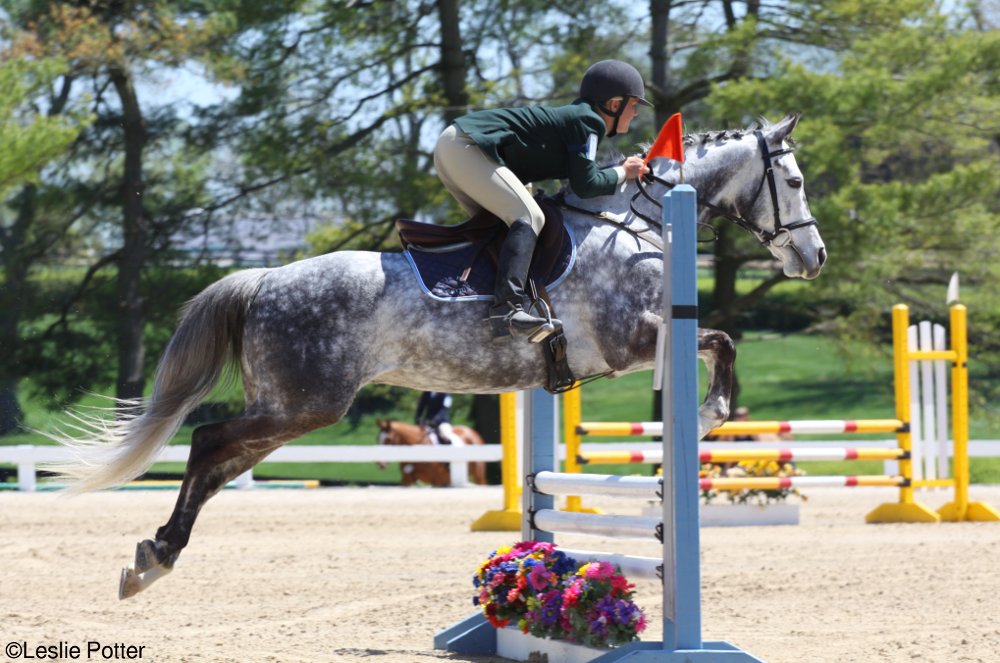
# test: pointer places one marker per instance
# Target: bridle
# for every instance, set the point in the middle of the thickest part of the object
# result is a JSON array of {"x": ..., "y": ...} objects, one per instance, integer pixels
[{"x": 780, "y": 236}]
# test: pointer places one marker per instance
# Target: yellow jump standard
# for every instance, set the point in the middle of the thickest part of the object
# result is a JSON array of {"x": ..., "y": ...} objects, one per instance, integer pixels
[{"x": 908, "y": 510}]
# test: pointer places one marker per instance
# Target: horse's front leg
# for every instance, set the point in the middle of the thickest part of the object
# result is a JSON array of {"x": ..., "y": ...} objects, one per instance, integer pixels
[{"x": 718, "y": 351}]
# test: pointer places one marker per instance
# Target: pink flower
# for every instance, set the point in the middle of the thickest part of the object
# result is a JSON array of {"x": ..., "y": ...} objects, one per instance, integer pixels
[
  {"x": 540, "y": 577},
  {"x": 599, "y": 570},
  {"x": 571, "y": 595}
]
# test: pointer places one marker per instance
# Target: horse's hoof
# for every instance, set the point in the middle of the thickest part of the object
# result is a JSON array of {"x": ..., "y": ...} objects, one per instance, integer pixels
[
  {"x": 129, "y": 585},
  {"x": 145, "y": 556}
]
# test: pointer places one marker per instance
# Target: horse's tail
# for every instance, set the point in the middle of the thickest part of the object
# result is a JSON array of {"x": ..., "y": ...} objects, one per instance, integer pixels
[{"x": 208, "y": 338}]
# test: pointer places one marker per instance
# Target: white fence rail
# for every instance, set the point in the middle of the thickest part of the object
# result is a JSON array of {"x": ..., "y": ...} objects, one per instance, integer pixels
[{"x": 27, "y": 457}]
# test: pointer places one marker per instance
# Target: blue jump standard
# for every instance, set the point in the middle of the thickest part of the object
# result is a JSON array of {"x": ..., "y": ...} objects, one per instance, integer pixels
[{"x": 682, "y": 641}]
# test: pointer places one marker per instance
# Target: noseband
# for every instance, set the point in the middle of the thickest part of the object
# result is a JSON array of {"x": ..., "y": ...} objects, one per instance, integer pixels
[{"x": 766, "y": 236}]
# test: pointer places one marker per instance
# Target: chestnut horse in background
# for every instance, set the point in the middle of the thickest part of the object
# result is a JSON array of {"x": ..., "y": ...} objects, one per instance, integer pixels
[{"x": 435, "y": 474}]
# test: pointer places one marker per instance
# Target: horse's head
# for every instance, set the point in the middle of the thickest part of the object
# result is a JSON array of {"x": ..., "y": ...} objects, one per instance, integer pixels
[
  {"x": 751, "y": 178},
  {"x": 767, "y": 197},
  {"x": 782, "y": 220}
]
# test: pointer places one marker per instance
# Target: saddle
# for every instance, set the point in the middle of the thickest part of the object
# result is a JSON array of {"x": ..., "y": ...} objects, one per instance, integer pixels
[
  {"x": 430, "y": 432},
  {"x": 459, "y": 263}
]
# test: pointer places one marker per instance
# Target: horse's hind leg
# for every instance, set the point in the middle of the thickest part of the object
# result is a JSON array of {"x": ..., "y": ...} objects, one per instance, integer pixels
[
  {"x": 718, "y": 352},
  {"x": 219, "y": 453}
]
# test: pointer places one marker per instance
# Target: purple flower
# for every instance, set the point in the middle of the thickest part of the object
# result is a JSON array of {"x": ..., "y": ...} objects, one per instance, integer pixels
[{"x": 548, "y": 594}]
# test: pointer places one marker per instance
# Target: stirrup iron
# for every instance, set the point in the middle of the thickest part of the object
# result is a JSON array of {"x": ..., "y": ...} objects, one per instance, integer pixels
[
  {"x": 550, "y": 326},
  {"x": 501, "y": 321}
]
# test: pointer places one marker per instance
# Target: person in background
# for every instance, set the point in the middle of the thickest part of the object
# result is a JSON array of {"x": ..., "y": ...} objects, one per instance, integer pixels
[{"x": 434, "y": 411}]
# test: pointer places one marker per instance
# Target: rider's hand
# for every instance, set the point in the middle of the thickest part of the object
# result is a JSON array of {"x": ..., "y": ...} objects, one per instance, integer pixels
[{"x": 634, "y": 168}]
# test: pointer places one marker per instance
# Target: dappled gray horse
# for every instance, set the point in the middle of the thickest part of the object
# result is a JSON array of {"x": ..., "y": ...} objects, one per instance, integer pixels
[{"x": 306, "y": 337}]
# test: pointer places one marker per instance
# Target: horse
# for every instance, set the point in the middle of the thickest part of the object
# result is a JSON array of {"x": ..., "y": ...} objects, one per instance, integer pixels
[
  {"x": 307, "y": 336},
  {"x": 435, "y": 474}
]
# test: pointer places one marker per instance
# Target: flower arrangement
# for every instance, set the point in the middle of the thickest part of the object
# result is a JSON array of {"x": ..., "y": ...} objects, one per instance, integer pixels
[
  {"x": 511, "y": 575},
  {"x": 597, "y": 607},
  {"x": 750, "y": 468},
  {"x": 547, "y": 594}
]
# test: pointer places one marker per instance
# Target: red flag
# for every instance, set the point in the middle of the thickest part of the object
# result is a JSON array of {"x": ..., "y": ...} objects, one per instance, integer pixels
[{"x": 670, "y": 142}]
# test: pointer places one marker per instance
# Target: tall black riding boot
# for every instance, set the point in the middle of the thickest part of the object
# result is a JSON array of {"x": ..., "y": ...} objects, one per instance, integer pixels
[{"x": 511, "y": 304}]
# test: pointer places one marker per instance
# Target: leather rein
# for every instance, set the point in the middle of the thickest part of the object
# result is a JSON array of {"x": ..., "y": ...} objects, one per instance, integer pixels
[{"x": 766, "y": 237}]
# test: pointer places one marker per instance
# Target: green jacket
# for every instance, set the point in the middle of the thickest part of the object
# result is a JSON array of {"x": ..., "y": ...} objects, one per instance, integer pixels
[{"x": 540, "y": 143}]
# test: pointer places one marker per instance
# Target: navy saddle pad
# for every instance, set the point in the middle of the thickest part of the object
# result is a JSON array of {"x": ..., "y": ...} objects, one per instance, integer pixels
[{"x": 458, "y": 263}]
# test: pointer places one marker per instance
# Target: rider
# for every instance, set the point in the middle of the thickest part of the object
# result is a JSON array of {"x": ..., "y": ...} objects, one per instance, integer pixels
[
  {"x": 485, "y": 158},
  {"x": 434, "y": 411}
]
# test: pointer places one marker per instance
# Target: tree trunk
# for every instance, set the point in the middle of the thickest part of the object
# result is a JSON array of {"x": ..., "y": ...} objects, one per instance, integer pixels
[
  {"x": 453, "y": 71},
  {"x": 11, "y": 414},
  {"x": 742, "y": 64},
  {"x": 727, "y": 265},
  {"x": 13, "y": 297},
  {"x": 131, "y": 348},
  {"x": 659, "y": 55},
  {"x": 17, "y": 258}
]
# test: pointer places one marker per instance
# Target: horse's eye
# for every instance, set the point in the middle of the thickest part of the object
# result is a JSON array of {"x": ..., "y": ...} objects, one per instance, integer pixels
[{"x": 794, "y": 182}]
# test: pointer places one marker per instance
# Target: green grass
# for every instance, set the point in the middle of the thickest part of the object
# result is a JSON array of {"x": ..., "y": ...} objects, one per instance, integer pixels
[
  {"x": 348, "y": 473},
  {"x": 791, "y": 377},
  {"x": 781, "y": 377}
]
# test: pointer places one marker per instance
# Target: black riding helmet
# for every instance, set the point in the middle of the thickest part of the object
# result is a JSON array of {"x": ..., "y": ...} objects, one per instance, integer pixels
[{"x": 608, "y": 79}]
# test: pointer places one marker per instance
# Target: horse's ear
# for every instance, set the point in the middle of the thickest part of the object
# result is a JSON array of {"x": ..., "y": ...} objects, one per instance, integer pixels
[{"x": 782, "y": 130}]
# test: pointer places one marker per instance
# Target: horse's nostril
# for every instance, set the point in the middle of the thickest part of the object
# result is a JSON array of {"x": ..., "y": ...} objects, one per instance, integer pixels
[{"x": 822, "y": 256}]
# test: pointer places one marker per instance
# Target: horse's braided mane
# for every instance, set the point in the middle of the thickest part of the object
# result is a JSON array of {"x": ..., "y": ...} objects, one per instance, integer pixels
[
  {"x": 698, "y": 138},
  {"x": 706, "y": 137},
  {"x": 701, "y": 138}
]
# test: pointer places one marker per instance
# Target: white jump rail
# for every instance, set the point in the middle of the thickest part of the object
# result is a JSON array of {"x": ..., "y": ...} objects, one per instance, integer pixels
[
  {"x": 598, "y": 524},
  {"x": 650, "y": 568},
  {"x": 610, "y": 485},
  {"x": 800, "y": 427}
]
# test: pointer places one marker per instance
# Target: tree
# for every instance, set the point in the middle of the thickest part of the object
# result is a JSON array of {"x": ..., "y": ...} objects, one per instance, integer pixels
[
  {"x": 699, "y": 47},
  {"x": 31, "y": 140},
  {"x": 110, "y": 47},
  {"x": 899, "y": 144}
]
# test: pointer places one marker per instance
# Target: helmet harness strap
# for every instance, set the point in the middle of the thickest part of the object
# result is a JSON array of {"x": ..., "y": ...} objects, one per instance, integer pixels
[{"x": 617, "y": 115}]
